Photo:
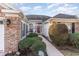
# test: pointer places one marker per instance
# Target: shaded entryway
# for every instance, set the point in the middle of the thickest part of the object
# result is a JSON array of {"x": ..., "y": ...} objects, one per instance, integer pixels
[
  {"x": 38, "y": 29},
  {"x": 73, "y": 27}
]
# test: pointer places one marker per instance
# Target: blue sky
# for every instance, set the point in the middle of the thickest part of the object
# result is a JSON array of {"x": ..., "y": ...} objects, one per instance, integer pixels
[{"x": 49, "y": 9}]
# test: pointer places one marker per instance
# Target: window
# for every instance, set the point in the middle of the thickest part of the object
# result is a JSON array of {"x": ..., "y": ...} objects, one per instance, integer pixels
[
  {"x": 22, "y": 30},
  {"x": 26, "y": 28},
  {"x": 31, "y": 27},
  {"x": 1, "y": 22}
]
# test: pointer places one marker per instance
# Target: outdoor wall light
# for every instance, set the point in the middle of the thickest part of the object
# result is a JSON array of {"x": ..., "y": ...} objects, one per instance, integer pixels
[{"x": 8, "y": 21}]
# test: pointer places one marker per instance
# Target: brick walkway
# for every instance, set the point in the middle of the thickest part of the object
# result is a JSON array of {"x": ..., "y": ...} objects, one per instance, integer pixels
[{"x": 51, "y": 50}]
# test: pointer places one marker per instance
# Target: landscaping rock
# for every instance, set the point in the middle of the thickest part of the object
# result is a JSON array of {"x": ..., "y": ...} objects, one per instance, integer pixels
[
  {"x": 17, "y": 53},
  {"x": 40, "y": 53}
]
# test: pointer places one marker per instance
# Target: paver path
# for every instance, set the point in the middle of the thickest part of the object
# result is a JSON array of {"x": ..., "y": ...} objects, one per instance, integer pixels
[
  {"x": 1, "y": 54},
  {"x": 51, "y": 50}
]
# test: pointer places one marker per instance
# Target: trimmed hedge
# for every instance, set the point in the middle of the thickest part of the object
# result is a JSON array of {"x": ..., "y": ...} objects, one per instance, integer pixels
[
  {"x": 32, "y": 44},
  {"x": 74, "y": 39},
  {"x": 32, "y": 35},
  {"x": 58, "y": 34}
]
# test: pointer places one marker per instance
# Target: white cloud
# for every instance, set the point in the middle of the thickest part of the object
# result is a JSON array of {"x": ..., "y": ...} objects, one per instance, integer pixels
[
  {"x": 63, "y": 8},
  {"x": 66, "y": 9},
  {"x": 50, "y": 6},
  {"x": 75, "y": 8},
  {"x": 53, "y": 5},
  {"x": 51, "y": 9},
  {"x": 66, "y": 5},
  {"x": 23, "y": 8},
  {"x": 37, "y": 8}
]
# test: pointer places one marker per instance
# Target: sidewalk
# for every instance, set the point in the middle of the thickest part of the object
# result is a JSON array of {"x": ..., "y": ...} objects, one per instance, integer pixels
[
  {"x": 1, "y": 54},
  {"x": 51, "y": 50}
]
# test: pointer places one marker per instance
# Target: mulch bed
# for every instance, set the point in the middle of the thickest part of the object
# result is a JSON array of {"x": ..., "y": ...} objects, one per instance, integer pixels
[
  {"x": 67, "y": 47},
  {"x": 70, "y": 48}
]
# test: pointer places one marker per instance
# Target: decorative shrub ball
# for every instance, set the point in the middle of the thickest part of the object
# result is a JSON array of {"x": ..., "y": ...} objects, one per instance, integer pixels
[{"x": 58, "y": 33}]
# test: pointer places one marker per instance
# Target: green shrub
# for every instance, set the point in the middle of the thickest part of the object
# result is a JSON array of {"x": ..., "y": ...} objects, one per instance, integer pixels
[
  {"x": 32, "y": 35},
  {"x": 33, "y": 43},
  {"x": 38, "y": 45},
  {"x": 26, "y": 43},
  {"x": 74, "y": 39},
  {"x": 58, "y": 33}
]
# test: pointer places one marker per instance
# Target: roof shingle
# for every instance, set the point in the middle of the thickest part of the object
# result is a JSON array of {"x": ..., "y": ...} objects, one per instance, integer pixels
[{"x": 65, "y": 16}]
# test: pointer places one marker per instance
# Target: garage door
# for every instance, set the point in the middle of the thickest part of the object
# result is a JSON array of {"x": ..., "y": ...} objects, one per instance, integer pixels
[{"x": 1, "y": 36}]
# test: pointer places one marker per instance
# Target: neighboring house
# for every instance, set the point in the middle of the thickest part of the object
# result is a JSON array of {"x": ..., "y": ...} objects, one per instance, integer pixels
[
  {"x": 71, "y": 21},
  {"x": 35, "y": 22},
  {"x": 10, "y": 28}
]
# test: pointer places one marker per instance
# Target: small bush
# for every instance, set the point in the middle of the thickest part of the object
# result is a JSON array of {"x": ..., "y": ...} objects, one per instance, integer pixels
[
  {"x": 25, "y": 43},
  {"x": 74, "y": 39},
  {"x": 31, "y": 44},
  {"x": 38, "y": 45},
  {"x": 58, "y": 33},
  {"x": 32, "y": 35}
]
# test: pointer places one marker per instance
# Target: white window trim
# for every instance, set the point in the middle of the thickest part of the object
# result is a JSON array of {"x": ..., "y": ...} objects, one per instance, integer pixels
[{"x": 22, "y": 22}]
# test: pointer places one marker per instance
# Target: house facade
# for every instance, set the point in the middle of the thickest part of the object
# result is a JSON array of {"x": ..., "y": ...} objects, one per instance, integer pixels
[
  {"x": 10, "y": 28},
  {"x": 38, "y": 24},
  {"x": 35, "y": 23},
  {"x": 72, "y": 22}
]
